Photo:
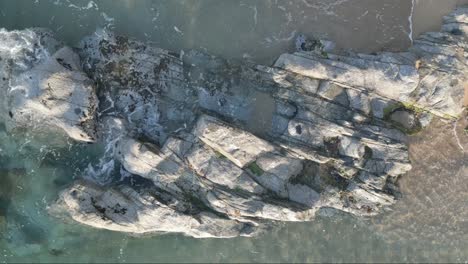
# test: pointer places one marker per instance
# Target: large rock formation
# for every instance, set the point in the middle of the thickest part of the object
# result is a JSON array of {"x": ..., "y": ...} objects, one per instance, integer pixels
[{"x": 214, "y": 148}]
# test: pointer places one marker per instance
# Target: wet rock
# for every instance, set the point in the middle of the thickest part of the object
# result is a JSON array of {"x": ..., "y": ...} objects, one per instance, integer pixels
[
  {"x": 140, "y": 83},
  {"x": 44, "y": 89},
  {"x": 316, "y": 45}
]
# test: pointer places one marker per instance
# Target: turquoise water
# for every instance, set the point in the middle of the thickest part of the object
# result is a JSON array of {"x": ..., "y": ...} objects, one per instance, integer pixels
[
  {"x": 258, "y": 29},
  {"x": 31, "y": 181},
  {"x": 427, "y": 225}
]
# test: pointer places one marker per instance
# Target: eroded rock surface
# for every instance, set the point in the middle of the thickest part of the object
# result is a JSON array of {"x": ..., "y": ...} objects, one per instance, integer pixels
[
  {"x": 43, "y": 88},
  {"x": 335, "y": 135},
  {"x": 214, "y": 148}
]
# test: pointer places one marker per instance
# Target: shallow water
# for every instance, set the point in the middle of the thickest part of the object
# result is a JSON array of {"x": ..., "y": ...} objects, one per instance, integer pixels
[
  {"x": 260, "y": 29},
  {"x": 428, "y": 224}
]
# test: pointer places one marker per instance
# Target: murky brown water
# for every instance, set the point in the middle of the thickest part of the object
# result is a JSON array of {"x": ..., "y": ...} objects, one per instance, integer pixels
[
  {"x": 428, "y": 14},
  {"x": 435, "y": 192}
]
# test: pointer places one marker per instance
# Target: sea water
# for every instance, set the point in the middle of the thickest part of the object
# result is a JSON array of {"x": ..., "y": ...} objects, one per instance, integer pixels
[{"x": 428, "y": 224}]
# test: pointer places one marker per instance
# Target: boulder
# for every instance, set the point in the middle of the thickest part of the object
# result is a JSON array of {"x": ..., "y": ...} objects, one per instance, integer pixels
[{"x": 126, "y": 210}]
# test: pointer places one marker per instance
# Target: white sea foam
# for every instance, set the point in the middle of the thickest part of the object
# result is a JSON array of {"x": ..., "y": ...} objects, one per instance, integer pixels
[{"x": 410, "y": 19}]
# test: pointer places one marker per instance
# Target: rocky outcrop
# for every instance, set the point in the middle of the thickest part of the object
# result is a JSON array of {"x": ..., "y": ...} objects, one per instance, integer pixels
[
  {"x": 190, "y": 128},
  {"x": 199, "y": 145},
  {"x": 43, "y": 89},
  {"x": 124, "y": 209}
]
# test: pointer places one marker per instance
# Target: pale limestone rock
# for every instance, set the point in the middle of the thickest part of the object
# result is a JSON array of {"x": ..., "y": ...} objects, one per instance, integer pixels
[
  {"x": 283, "y": 167},
  {"x": 334, "y": 92},
  {"x": 170, "y": 173},
  {"x": 218, "y": 169},
  {"x": 240, "y": 147},
  {"x": 124, "y": 209},
  {"x": 372, "y": 75},
  {"x": 237, "y": 206},
  {"x": 359, "y": 101},
  {"x": 302, "y": 194},
  {"x": 45, "y": 90}
]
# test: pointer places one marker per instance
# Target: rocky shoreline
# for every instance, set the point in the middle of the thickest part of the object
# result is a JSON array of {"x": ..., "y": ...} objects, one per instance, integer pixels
[{"x": 214, "y": 148}]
